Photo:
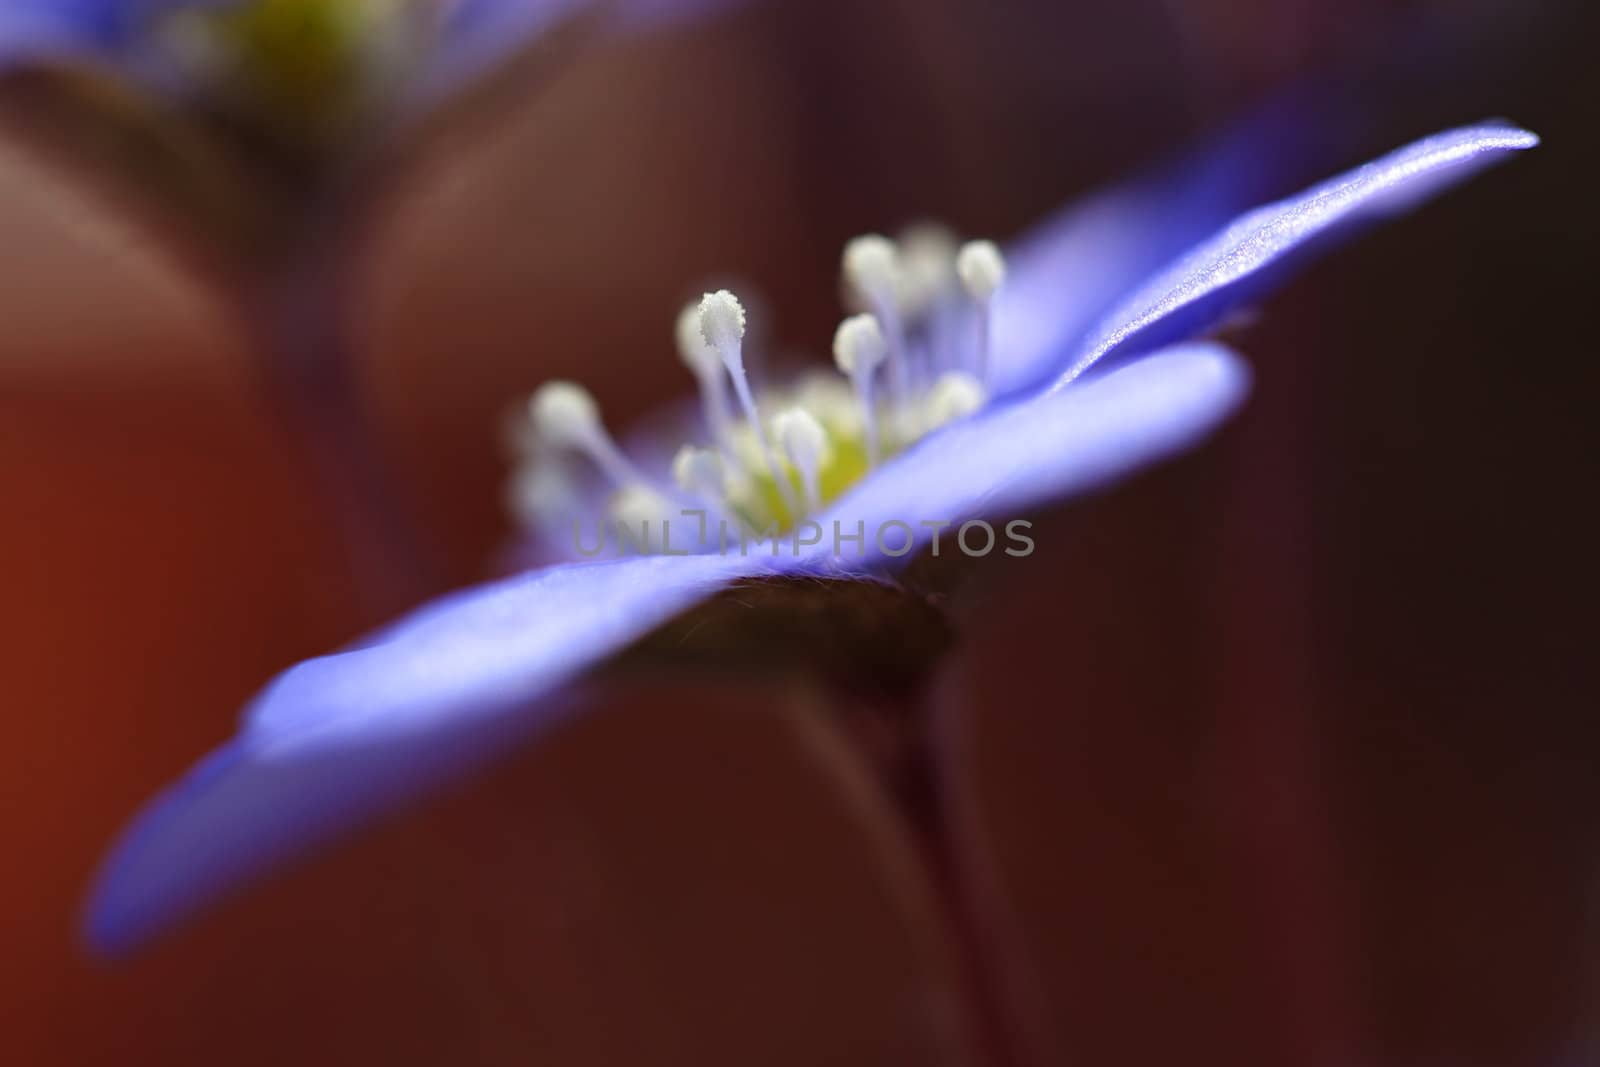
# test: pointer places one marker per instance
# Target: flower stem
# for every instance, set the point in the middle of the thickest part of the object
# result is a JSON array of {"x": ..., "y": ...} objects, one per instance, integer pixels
[
  {"x": 296, "y": 310},
  {"x": 898, "y": 736}
]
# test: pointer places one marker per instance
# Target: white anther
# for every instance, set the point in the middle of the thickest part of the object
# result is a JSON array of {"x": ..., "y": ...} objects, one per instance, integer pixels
[
  {"x": 722, "y": 325},
  {"x": 905, "y": 425},
  {"x": 567, "y": 417},
  {"x": 565, "y": 413},
  {"x": 700, "y": 472},
  {"x": 982, "y": 269},
  {"x": 927, "y": 266},
  {"x": 858, "y": 347},
  {"x": 954, "y": 396},
  {"x": 805, "y": 442},
  {"x": 641, "y": 516},
  {"x": 871, "y": 267},
  {"x": 872, "y": 271}
]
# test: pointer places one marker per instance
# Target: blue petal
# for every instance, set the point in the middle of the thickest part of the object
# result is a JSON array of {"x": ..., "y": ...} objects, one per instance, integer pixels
[
  {"x": 34, "y": 29},
  {"x": 1257, "y": 251},
  {"x": 1000, "y": 463},
  {"x": 337, "y": 739},
  {"x": 113, "y": 32},
  {"x": 1070, "y": 270}
]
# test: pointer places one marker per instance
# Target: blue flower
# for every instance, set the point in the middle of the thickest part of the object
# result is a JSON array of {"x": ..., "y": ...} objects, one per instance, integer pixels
[
  {"x": 168, "y": 45},
  {"x": 1024, "y": 378}
]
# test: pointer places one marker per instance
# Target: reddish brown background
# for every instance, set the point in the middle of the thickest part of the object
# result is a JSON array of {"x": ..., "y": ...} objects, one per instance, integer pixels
[{"x": 1284, "y": 753}]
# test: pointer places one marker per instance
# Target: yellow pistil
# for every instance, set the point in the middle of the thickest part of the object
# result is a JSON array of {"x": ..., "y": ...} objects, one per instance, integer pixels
[{"x": 759, "y": 504}]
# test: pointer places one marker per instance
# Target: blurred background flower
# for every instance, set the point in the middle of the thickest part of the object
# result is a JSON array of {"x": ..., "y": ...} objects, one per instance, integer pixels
[
  {"x": 252, "y": 145},
  {"x": 1320, "y": 785}
]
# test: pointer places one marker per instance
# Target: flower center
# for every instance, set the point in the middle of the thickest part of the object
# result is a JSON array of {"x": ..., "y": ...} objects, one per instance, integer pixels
[
  {"x": 911, "y": 359},
  {"x": 302, "y": 67}
]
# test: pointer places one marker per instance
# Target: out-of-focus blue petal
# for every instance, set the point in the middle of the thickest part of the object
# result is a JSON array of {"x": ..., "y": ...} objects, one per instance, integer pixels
[
  {"x": 1046, "y": 448},
  {"x": 1258, "y": 250},
  {"x": 33, "y": 29},
  {"x": 1072, "y": 269},
  {"x": 110, "y": 32},
  {"x": 337, "y": 739}
]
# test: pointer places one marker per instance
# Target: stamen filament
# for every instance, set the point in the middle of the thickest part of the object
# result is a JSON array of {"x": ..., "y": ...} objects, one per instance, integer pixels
[
  {"x": 643, "y": 518},
  {"x": 700, "y": 473},
  {"x": 956, "y": 395},
  {"x": 872, "y": 269},
  {"x": 722, "y": 325},
  {"x": 748, "y": 402},
  {"x": 895, "y": 334},
  {"x": 609, "y": 458},
  {"x": 805, "y": 443},
  {"x": 711, "y": 378},
  {"x": 982, "y": 269},
  {"x": 869, "y": 420},
  {"x": 567, "y": 417},
  {"x": 858, "y": 348}
]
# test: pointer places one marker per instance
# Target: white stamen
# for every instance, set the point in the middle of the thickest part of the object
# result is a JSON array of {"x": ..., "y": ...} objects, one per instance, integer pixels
[
  {"x": 722, "y": 326},
  {"x": 871, "y": 266},
  {"x": 906, "y": 424},
  {"x": 926, "y": 284},
  {"x": 700, "y": 472},
  {"x": 872, "y": 270},
  {"x": 567, "y": 417},
  {"x": 928, "y": 267},
  {"x": 709, "y": 374},
  {"x": 982, "y": 270},
  {"x": 954, "y": 396},
  {"x": 565, "y": 413},
  {"x": 805, "y": 442},
  {"x": 858, "y": 348},
  {"x": 641, "y": 516}
]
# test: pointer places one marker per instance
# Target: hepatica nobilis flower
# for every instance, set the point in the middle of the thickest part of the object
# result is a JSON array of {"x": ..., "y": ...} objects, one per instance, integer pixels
[{"x": 973, "y": 384}]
